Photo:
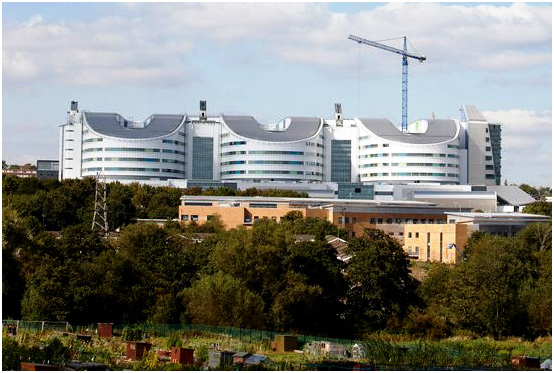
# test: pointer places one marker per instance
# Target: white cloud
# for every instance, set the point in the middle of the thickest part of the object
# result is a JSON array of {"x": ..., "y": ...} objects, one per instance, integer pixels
[
  {"x": 526, "y": 145},
  {"x": 521, "y": 128},
  {"x": 155, "y": 38},
  {"x": 105, "y": 51}
]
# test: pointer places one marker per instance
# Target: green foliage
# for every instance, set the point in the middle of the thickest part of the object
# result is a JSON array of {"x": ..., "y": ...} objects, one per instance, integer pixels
[
  {"x": 258, "y": 277},
  {"x": 502, "y": 288},
  {"x": 132, "y": 334},
  {"x": 536, "y": 237},
  {"x": 11, "y": 354},
  {"x": 381, "y": 286},
  {"x": 538, "y": 193},
  {"x": 221, "y": 299},
  {"x": 420, "y": 324},
  {"x": 174, "y": 340},
  {"x": 202, "y": 353},
  {"x": 120, "y": 205},
  {"x": 151, "y": 360},
  {"x": 539, "y": 208}
]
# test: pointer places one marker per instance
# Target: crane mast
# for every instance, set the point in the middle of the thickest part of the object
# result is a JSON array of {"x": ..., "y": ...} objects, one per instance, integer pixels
[{"x": 405, "y": 55}]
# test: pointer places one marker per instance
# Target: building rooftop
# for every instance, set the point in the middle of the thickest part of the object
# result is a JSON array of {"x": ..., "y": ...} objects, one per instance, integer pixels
[
  {"x": 316, "y": 202},
  {"x": 496, "y": 216},
  {"x": 438, "y": 130},
  {"x": 512, "y": 194},
  {"x": 114, "y": 125},
  {"x": 471, "y": 113},
  {"x": 300, "y": 128}
]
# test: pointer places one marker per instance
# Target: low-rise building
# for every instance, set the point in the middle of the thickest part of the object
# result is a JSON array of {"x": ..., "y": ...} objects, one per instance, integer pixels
[
  {"x": 48, "y": 169},
  {"x": 20, "y": 171},
  {"x": 352, "y": 215},
  {"x": 445, "y": 242},
  {"x": 436, "y": 242}
]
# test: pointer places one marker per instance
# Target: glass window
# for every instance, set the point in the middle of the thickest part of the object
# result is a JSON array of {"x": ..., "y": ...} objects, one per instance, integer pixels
[
  {"x": 194, "y": 217},
  {"x": 202, "y": 158},
  {"x": 184, "y": 217},
  {"x": 340, "y": 160}
]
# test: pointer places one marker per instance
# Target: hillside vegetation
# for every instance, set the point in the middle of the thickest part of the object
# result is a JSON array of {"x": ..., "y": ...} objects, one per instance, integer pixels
[{"x": 257, "y": 278}]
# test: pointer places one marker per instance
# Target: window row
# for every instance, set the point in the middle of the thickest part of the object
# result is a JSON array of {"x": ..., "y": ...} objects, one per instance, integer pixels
[
  {"x": 283, "y": 152},
  {"x": 439, "y": 174},
  {"x": 372, "y": 146},
  {"x": 369, "y": 165},
  {"x": 426, "y": 155},
  {"x": 175, "y": 142},
  {"x": 354, "y": 220},
  {"x": 269, "y": 172},
  {"x": 233, "y": 143},
  {"x": 314, "y": 144},
  {"x": 133, "y": 169},
  {"x": 130, "y": 159}
]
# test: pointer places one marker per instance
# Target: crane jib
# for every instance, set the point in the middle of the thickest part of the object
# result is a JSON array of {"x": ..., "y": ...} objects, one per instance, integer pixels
[{"x": 405, "y": 54}]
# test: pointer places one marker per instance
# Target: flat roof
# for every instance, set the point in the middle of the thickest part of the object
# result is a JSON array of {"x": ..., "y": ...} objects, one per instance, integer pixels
[
  {"x": 307, "y": 201},
  {"x": 498, "y": 216}
]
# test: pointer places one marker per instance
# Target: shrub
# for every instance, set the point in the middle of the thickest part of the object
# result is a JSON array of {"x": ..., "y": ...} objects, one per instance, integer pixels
[
  {"x": 11, "y": 352},
  {"x": 134, "y": 334},
  {"x": 422, "y": 325},
  {"x": 173, "y": 340}
]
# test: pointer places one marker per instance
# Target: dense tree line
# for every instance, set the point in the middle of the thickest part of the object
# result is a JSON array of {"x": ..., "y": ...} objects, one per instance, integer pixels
[
  {"x": 53, "y": 205},
  {"x": 260, "y": 277}
]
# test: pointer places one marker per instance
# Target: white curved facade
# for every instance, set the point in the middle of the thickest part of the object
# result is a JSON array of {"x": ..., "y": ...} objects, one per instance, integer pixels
[
  {"x": 296, "y": 150},
  {"x": 403, "y": 159},
  {"x": 247, "y": 159},
  {"x": 136, "y": 152}
]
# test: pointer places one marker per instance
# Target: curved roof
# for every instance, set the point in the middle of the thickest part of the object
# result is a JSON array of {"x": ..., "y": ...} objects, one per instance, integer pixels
[
  {"x": 300, "y": 128},
  {"x": 438, "y": 130},
  {"x": 112, "y": 124}
]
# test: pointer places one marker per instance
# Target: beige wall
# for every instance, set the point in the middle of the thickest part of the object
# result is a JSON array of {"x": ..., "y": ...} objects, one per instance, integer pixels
[
  {"x": 433, "y": 241},
  {"x": 234, "y": 216},
  {"x": 384, "y": 221}
]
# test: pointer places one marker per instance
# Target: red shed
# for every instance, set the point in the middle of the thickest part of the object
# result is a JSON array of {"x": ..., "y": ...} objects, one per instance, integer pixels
[
  {"x": 182, "y": 355},
  {"x": 105, "y": 330},
  {"x": 36, "y": 367},
  {"x": 526, "y": 362},
  {"x": 136, "y": 350}
]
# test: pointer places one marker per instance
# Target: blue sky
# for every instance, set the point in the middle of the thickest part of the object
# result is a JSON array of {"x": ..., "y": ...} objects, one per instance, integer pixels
[{"x": 272, "y": 60}]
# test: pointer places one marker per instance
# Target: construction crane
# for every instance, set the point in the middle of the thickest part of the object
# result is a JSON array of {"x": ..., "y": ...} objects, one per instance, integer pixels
[{"x": 405, "y": 54}]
